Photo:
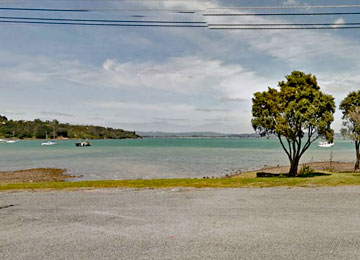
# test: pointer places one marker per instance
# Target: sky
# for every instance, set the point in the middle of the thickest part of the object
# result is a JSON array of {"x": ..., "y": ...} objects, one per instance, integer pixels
[{"x": 165, "y": 79}]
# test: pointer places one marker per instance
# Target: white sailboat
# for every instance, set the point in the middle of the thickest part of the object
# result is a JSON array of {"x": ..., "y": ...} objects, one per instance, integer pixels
[
  {"x": 325, "y": 144},
  {"x": 12, "y": 141},
  {"x": 49, "y": 143}
]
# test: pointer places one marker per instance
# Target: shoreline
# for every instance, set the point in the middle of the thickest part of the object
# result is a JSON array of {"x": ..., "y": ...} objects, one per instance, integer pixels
[{"x": 56, "y": 179}]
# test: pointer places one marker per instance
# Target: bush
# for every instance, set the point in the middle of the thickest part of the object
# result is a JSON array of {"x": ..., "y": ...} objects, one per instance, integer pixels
[{"x": 306, "y": 170}]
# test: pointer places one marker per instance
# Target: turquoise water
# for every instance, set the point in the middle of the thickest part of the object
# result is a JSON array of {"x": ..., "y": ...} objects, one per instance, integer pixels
[{"x": 160, "y": 157}]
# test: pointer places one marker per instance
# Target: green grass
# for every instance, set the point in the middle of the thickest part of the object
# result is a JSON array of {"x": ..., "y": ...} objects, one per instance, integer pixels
[{"x": 332, "y": 179}]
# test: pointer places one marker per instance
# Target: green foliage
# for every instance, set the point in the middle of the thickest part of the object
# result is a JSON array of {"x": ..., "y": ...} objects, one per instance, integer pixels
[
  {"x": 299, "y": 113},
  {"x": 306, "y": 170},
  {"x": 3, "y": 119},
  {"x": 38, "y": 129},
  {"x": 350, "y": 108}
]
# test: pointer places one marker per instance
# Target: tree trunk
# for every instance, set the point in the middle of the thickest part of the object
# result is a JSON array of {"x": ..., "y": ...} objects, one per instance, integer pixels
[
  {"x": 357, "y": 162},
  {"x": 294, "y": 163}
]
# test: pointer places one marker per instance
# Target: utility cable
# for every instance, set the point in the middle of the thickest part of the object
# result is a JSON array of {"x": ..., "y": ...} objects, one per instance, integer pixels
[
  {"x": 97, "y": 20},
  {"x": 281, "y": 14}
]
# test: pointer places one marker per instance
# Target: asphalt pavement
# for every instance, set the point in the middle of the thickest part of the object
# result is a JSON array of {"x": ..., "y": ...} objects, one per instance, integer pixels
[{"x": 269, "y": 223}]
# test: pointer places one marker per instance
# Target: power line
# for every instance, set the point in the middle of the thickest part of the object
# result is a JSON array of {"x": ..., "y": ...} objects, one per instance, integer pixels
[
  {"x": 281, "y": 24},
  {"x": 283, "y": 7},
  {"x": 283, "y": 14},
  {"x": 43, "y": 9},
  {"x": 179, "y": 10},
  {"x": 98, "y": 20},
  {"x": 171, "y": 22},
  {"x": 184, "y": 11},
  {"x": 284, "y": 28},
  {"x": 180, "y": 26},
  {"x": 106, "y": 24}
]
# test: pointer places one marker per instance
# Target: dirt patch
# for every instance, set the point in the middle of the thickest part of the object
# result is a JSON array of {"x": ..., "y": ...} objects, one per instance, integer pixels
[
  {"x": 35, "y": 175},
  {"x": 317, "y": 166}
]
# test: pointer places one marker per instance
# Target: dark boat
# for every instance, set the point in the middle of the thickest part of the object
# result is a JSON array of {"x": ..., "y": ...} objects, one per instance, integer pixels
[{"x": 83, "y": 144}]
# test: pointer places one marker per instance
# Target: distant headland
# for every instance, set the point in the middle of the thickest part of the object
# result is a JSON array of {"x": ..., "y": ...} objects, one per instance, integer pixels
[{"x": 38, "y": 129}]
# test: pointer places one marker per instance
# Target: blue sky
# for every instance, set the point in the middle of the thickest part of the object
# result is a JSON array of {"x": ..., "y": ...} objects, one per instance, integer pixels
[{"x": 164, "y": 79}]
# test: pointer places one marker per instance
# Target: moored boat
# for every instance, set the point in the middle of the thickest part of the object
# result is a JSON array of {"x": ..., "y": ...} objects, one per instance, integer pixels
[
  {"x": 83, "y": 144},
  {"x": 11, "y": 141},
  {"x": 49, "y": 143},
  {"x": 325, "y": 144}
]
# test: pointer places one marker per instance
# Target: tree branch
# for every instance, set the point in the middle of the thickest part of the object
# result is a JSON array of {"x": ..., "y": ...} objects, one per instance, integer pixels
[{"x": 283, "y": 146}]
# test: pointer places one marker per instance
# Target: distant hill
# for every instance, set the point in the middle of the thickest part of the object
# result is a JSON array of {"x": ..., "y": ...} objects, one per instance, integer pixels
[
  {"x": 38, "y": 129},
  {"x": 202, "y": 135},
  {"x": 192, "y": 134}
]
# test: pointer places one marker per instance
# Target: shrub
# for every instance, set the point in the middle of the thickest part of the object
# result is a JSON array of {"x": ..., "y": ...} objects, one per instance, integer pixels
[{"x": 306, "y": 169}]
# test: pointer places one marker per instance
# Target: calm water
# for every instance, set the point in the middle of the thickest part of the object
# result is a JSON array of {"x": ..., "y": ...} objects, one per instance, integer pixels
[{"x": 161, "y": 157}]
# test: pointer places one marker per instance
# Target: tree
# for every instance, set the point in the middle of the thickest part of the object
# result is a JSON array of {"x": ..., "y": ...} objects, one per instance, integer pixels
[
  {"x": 298, "y": 114},
  {"x": 350, "y": 108},
  {"x": 3, "y": 119}
]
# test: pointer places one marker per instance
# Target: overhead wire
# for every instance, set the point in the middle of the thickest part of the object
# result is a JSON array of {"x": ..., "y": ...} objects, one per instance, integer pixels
[
  {"x": 282, "y": 24},
  {"x": 189, "y": 24},
  {"x": 106, "y": 24},
  {"x": 210, "y": 26},
  {"x": 284, "y": 28},
  {"x": 43, "y": 9},
  {"x": 284, "y": 7},
  {"x": 190, "y": 11},
  {"x": 280, "y": 14},
  {"x": 97, "y": 20}
]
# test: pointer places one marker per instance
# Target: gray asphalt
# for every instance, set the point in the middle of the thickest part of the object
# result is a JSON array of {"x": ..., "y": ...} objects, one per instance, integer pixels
[{"x": 272, "y": 223}]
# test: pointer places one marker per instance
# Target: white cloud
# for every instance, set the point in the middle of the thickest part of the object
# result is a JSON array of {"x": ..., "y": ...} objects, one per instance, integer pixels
[
  {"x": 187, "y": 75},
  {"x": 338, "y": 22},
  {"x": 290, "y": 2}
]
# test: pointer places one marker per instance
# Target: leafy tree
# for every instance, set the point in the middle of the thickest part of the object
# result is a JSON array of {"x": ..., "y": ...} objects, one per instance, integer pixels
[
  {"x": 350, "y": 108},
  {"x": 3, "y": 119},
  {"x": 297, "y": 114},
  {"x": 39, "y": 129}
]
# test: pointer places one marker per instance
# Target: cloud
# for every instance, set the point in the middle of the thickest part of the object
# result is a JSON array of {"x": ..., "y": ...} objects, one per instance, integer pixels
[
  {"x": 181, "y": 74},
  {"x": 170, "y": 119},
  {"x": 13, "y": 112},
  {"x": 229, "y": 99},
  {"x": 338, "y": 22},
  {"x": 97, "y": 118},
  {"x": 219, "y": 119},
  {"x": 291, "y": 2},
  {"x": 56, "y": 114},
  {"x": 184, "y": 75},
  {"x": 211, "y": 110}
]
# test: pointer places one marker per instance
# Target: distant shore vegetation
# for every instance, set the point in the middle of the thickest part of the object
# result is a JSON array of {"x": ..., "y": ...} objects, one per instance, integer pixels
[{"x": 38, "y": 129}]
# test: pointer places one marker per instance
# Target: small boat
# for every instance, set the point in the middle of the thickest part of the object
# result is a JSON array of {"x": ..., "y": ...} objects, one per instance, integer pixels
[
  {"x": 2, "y": 141},
  {"x": 11, "y": 141},
  {"x": 325, "y": 144},
  {"x": 49, "y": 143},
  {"x": 83, "y": 144}
]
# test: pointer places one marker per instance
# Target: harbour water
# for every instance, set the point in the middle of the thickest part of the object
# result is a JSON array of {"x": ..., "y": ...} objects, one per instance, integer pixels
[{"x": 161, "y": 157}]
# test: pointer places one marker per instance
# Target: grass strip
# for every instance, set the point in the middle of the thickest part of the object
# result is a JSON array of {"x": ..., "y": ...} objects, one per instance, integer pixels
[{"x": 333, "y": 179}]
